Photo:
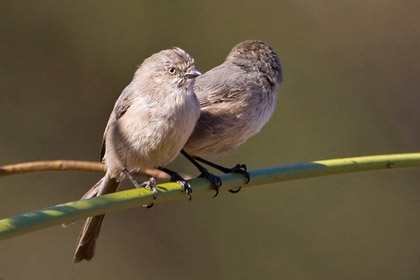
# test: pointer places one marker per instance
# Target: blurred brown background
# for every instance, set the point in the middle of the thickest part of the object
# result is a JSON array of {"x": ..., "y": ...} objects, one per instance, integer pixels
[{"x": 351, "y": 87}]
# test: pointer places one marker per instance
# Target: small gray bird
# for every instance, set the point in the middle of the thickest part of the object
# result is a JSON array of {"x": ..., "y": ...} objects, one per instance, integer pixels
[
  {"x": 150, "y": 123},
  {"x": 237, "y": 99}
]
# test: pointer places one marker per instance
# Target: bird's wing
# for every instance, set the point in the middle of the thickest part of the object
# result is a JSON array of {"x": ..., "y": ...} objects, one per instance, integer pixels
[
  {"x": 120, "y": 108},
  {"x": 215, "y": 86}
]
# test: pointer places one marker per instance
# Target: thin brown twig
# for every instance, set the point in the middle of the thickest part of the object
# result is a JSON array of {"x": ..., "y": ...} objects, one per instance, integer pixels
[
  {"x": 51, "y": 165},
  {"x": 38, "y": 166}
]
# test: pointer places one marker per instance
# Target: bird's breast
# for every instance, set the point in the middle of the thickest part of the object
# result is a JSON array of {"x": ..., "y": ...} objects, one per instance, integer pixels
[{"x": 156, "y": 132}]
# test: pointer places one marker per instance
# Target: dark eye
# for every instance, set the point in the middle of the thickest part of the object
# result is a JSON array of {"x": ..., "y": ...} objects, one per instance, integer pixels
[{"x": 171, "y": 70}]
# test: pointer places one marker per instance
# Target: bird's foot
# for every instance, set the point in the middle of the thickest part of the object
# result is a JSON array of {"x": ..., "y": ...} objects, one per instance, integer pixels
[
  {"x": 186, "y": 187},
  {"x": 215, "y": 181},
  {"x": 175, "y": 177},
  {"x": 150, "y": 184},
  {"x": 241, "y": 169}
]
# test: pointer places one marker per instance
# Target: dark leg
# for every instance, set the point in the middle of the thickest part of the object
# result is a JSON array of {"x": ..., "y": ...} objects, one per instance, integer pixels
[
  {"x": 150, "y": 184},
  {"x": 215, "y": 181},
  {"x": 239, "y": 168},
  {"x": 175, "y": 177}
]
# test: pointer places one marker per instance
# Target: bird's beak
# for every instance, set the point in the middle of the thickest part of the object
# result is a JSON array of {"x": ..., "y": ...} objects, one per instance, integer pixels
[{"x": 192, "y": 74}]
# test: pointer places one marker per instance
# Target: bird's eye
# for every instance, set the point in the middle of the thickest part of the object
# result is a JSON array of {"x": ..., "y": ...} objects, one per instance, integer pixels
[{"x": 171, "y": 70}]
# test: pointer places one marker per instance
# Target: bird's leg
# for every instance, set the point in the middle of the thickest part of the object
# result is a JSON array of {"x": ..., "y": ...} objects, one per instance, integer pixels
[
  {"x": 150, "y": 184},
  {"x": 239, "y": 168},
  {"x": 215, "y": 181},
  {"x": 175, "y": 177}
]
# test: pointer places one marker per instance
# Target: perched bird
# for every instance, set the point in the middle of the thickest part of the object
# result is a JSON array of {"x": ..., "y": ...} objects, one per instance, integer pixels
[
  {"x": 237, "y": 99},
  {"x": 150, "y": 123}
]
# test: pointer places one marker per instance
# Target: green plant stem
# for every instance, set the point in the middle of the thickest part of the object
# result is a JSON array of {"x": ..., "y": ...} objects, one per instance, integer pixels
[{"x": 123, "y": 200}]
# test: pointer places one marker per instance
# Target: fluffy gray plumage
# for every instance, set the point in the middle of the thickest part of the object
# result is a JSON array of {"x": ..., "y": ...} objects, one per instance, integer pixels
[
  {"x": 237, "y": 99},
  {"x": 150, "y": 123}
]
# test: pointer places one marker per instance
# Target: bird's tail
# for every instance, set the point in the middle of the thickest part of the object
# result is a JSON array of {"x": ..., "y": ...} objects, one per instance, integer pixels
[{"x": 90, "y": 232}]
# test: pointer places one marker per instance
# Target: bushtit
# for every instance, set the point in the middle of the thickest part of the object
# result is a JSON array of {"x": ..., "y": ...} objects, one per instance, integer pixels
[
  {"x": 237, "y": 99},
  {"x": 150, "y": 123}
]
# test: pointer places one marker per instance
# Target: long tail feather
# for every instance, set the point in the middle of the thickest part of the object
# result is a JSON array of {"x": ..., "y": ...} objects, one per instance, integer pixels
[{"x": 87, "y": 240}]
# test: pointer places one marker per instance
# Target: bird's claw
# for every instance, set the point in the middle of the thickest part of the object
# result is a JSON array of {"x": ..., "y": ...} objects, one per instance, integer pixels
[
  {"x": 241, "y": 169},
  {"x": 235, "y": 190},
  {"x": 150, "y": 184},
  {"x": 215, "y": 181},
  {"x": 186, "y": 187}
]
